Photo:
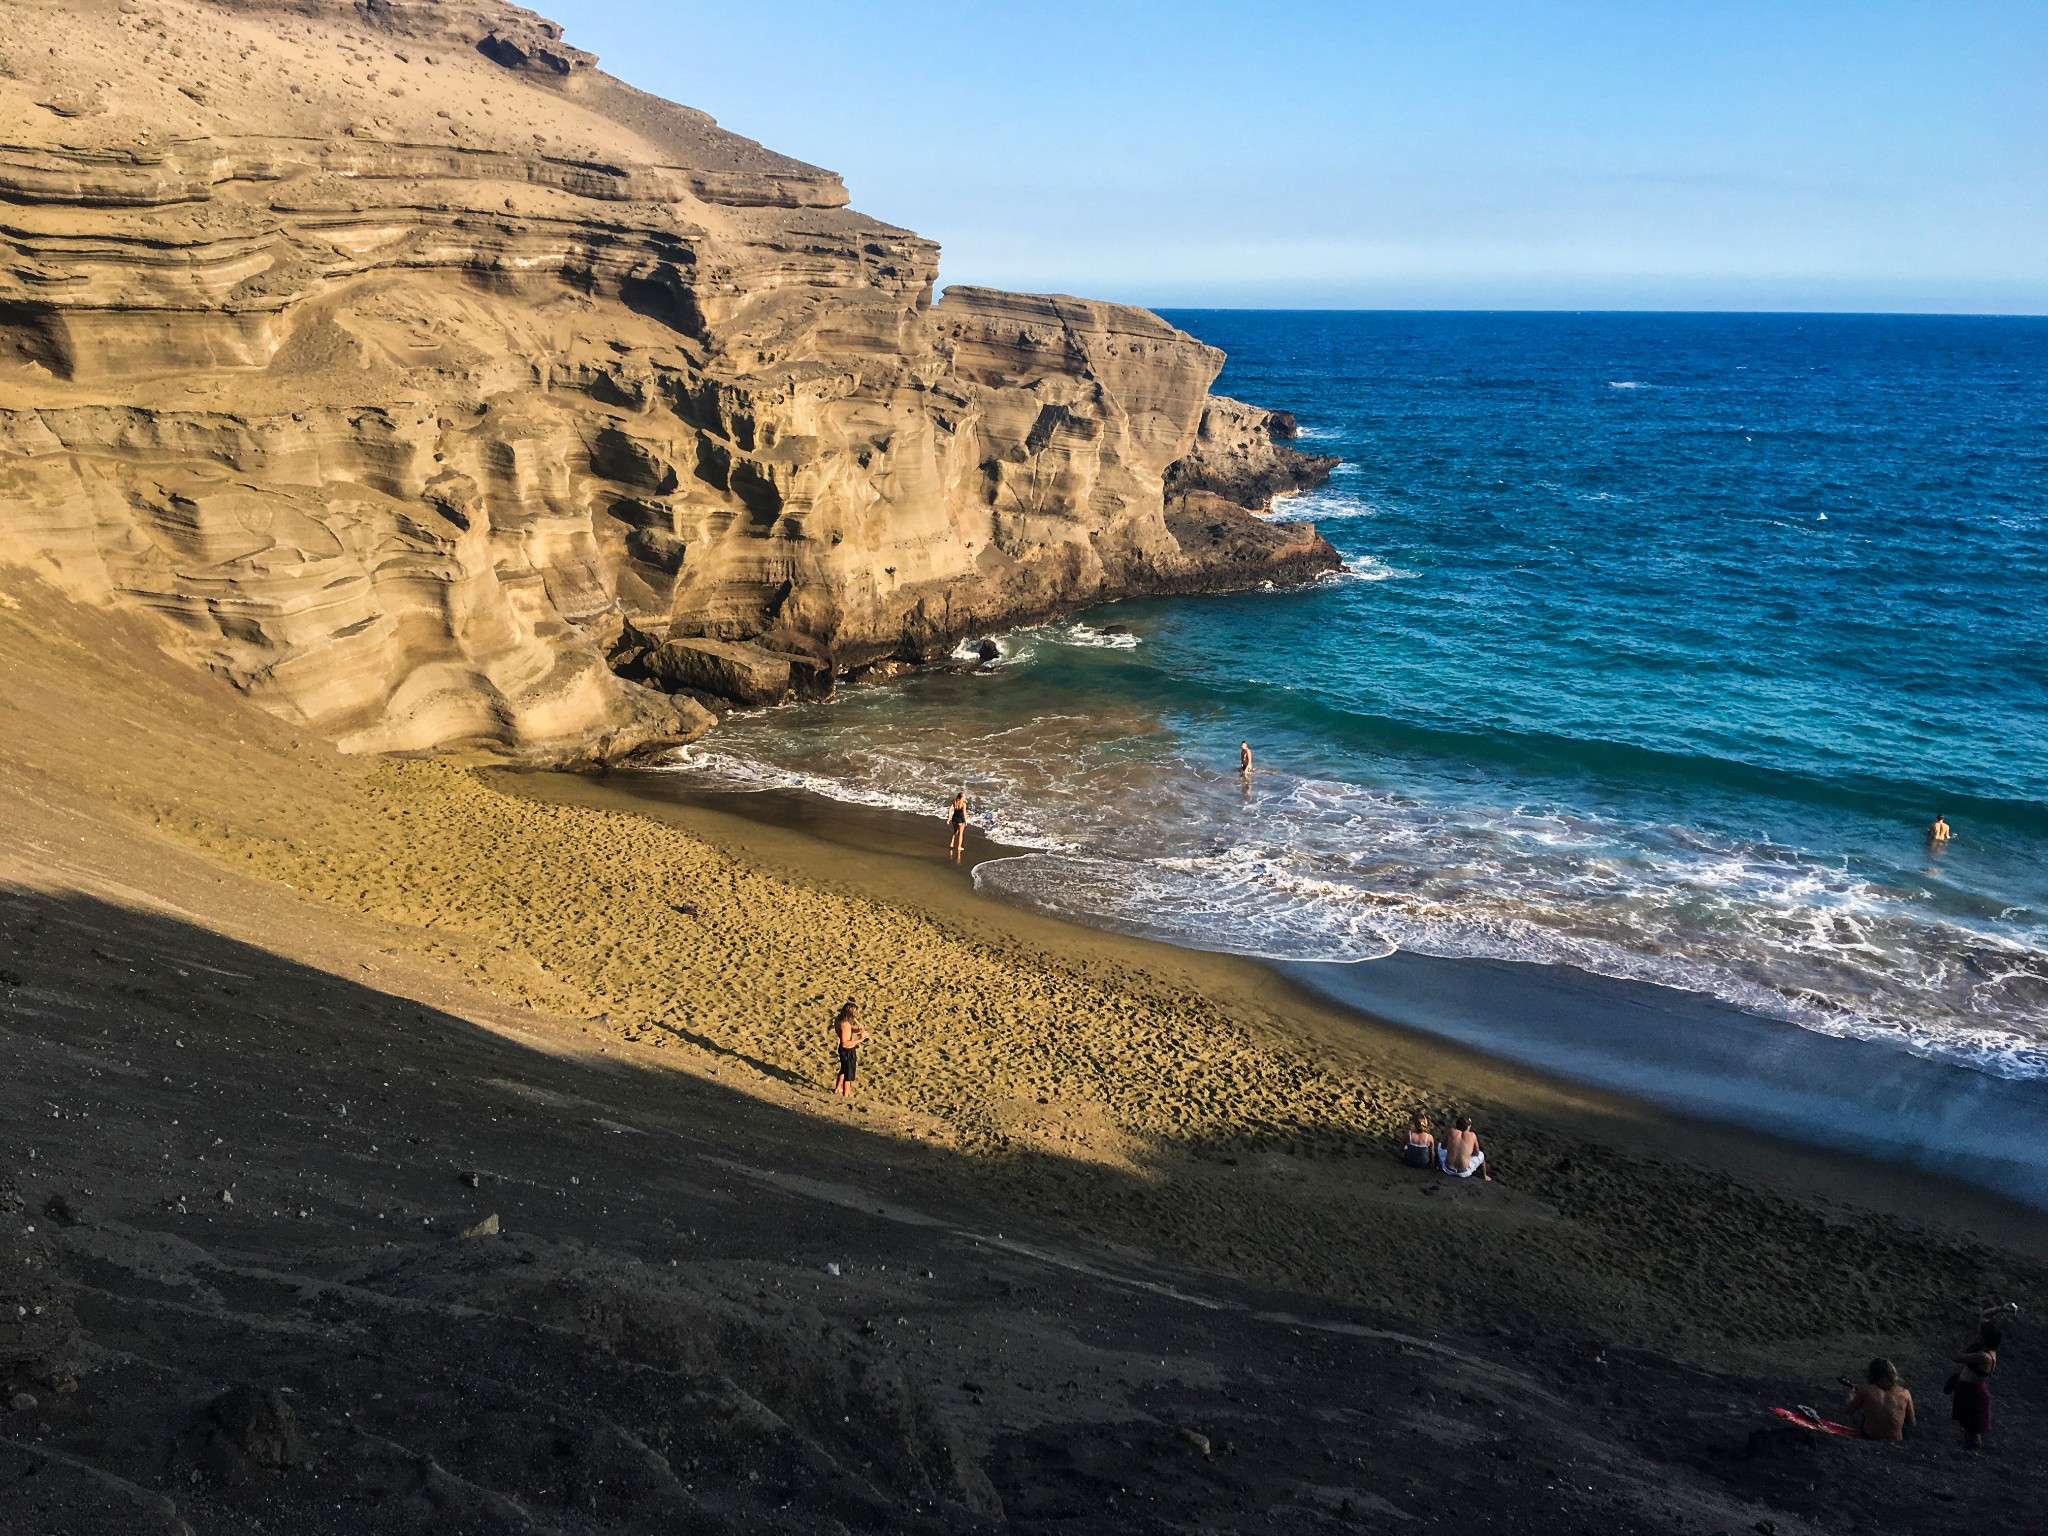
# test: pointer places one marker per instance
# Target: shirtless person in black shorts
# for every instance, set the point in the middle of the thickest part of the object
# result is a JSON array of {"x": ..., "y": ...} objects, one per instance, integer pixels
[{"x": 847, "y": 1030}]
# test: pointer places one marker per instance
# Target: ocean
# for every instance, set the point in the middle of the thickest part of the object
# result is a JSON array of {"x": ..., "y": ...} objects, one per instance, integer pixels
[{"x": 1660, "y": 641}]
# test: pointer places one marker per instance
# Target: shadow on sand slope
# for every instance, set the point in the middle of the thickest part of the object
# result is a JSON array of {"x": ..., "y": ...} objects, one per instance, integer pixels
[{"x": 244, "y": 1295}]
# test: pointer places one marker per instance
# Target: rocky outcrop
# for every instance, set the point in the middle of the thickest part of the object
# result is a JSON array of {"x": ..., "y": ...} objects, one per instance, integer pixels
[
  {"x": 1237, "y": 456},
  {"x": 402, "y": 360},
  {"x": 734, "y": 671}
]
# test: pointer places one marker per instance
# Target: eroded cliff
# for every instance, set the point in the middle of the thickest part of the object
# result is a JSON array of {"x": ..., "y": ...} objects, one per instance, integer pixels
[{"x": 420, "y": 374}]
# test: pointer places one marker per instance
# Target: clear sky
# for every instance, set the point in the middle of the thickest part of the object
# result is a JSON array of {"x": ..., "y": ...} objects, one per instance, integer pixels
[{"x": 1638, "y": 154}]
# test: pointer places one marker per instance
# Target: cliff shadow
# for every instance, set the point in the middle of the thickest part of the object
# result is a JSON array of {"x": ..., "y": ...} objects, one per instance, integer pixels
[{"x": 444, "y": 1269}]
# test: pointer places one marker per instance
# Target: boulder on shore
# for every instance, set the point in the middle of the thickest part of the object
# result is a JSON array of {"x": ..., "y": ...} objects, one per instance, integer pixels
[{"x": 734, "y": 670}]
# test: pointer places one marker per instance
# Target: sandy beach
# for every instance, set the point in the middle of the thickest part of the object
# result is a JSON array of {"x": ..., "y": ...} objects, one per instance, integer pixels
[
  {"x": 1193, "y": 1115},
  {"x": 1272, "y": 1109}
]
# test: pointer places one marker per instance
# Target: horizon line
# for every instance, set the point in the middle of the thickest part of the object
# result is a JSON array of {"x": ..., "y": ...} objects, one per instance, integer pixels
[{"x": 1547, "y": 309}]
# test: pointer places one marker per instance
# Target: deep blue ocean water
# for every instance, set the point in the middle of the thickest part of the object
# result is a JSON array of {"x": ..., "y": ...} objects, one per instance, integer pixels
[{"x": 1661, "y": 640}]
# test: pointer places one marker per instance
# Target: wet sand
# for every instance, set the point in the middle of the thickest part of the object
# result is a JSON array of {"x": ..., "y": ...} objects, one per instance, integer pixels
[{"x": 1703, "y": 1057}]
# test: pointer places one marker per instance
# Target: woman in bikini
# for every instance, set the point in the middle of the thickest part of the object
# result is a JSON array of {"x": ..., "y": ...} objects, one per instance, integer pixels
[
  {"x": 1421, "y": 1149},
  {"x": 1970, "y": 1387},
  {"x": 957, "y": 815}
]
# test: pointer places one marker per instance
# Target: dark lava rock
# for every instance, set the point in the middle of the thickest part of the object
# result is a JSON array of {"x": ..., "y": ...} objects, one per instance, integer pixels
[
  {"x": 260, "y": 1425},
  {"x": 60, "y": 1210}
]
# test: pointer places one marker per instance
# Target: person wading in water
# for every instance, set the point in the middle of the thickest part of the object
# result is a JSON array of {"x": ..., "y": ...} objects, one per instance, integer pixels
[{"x": 956, "y": 814}]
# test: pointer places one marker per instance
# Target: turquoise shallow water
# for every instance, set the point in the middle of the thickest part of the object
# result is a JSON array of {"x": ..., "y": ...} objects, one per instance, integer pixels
[{"x": 1660, "y": 641}]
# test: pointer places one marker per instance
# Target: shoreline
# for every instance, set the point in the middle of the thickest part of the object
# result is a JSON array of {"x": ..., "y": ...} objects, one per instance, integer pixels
[
  {"x": 1390, "y": 1026},
  {"x": 1699, "y": 1056}
]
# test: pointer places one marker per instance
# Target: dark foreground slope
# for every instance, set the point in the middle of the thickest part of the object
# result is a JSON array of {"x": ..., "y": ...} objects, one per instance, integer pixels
[{"x": 654, "y": 1337}]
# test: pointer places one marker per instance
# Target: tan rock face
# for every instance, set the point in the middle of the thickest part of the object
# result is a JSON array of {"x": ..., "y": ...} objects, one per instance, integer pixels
[{"x": 397, "y": 356}]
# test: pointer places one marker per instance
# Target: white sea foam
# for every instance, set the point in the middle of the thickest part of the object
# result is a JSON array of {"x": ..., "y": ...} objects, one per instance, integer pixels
[
  {"x": 1263, "y": 902},
  {"x": 1125, "y": 832},
  {"x": 1627, "y": 384},
  {"x": 1012, "y": 650},
  {"x": 1327, "y": 504},
  {"x": 916, "y": 789},
  {"x": 1366, "y": 568},
  {"x": 1019, "y": 647},
  {"x": 1087, "y": 636}
]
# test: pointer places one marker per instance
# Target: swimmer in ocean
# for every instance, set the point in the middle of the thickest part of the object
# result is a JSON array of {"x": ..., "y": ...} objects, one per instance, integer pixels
[
  {"x": 1244, "y": 758},
  {"x": 1938, "y": 833}
]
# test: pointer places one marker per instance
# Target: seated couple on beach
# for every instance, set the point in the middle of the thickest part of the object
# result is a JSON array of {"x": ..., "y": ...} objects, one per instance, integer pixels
[{"x": 1457, "y": 1154}]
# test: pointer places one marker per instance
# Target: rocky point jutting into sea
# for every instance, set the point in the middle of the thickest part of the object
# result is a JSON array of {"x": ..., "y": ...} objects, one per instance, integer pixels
[{"x": 442, "y": 389}]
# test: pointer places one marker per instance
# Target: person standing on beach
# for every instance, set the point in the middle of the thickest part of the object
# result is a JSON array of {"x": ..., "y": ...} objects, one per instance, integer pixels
[
  {"x": 956, "y": 814},
  {"x": 1970, "y": 1392},
  {"x": 1970, "y": 1387},
  {"x": 850, "y": 1035}
]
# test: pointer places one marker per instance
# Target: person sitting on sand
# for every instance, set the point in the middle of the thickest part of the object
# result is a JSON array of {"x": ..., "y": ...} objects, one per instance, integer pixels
[
  {"x": 1886, "y": 1408},
  {"x": 956, "y": 814},
  {"x": 1421, "y": 1149},
  {"x": 1459, "y": 1155},
  {"x": 847, "y": 1029}
]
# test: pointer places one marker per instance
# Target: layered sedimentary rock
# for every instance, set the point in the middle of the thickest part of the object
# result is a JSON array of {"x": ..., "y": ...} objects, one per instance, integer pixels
[
  {"x": 1238, "y": 455},
  {"x": 411, "y": 366}
]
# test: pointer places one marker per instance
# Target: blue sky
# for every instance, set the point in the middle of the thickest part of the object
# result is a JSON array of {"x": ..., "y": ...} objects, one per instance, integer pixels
[{"x": 1429, "y": 154}]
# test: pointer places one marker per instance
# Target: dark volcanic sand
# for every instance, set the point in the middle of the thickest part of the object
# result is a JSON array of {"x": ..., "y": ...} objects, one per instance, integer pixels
[{"x": 652, "y": 1340}]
